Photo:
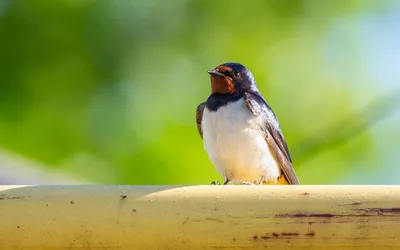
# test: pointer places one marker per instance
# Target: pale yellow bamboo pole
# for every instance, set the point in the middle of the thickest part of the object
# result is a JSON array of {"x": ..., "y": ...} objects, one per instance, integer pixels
[{"x": 199, "y": 217}]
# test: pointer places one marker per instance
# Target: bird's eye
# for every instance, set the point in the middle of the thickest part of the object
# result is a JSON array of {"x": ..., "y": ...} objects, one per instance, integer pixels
[{"x": 236, "y": 73}]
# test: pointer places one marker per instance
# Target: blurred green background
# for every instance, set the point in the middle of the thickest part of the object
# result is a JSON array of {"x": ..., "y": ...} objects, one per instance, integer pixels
[{"x": 105, "y": 91}]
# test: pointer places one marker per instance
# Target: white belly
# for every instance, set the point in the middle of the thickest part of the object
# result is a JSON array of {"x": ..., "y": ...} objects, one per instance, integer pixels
[{"x": 236, "y": 145}]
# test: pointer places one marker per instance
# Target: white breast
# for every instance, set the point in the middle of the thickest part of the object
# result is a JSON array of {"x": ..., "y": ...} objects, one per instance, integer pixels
[{"x": 236, "y": 145}]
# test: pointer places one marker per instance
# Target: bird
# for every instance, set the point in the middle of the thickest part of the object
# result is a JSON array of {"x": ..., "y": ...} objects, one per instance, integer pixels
[{"x": 240, "y": 132}]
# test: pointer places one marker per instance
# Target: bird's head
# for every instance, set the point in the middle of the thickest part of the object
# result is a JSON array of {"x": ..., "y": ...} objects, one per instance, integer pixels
[{"x": 231, "y": 78}]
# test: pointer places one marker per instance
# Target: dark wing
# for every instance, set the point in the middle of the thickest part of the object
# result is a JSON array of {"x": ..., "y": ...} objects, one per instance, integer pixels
[
  {"x": 199, "y": 117},
  {"x": 273, "y": 135}
]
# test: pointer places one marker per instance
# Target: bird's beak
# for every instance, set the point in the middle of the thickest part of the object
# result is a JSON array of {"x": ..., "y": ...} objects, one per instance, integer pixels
[{"x": 216, "y": 73}]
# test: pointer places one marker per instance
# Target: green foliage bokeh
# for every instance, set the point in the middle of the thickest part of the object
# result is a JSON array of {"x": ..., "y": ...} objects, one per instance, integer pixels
[{"x": 108, "y": 89}]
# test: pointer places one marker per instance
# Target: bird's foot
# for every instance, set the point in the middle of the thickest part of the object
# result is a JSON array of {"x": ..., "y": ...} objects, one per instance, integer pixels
[
  {"x": 261, "y": 181},
  {"x": 215, "y": 183},
  {"x": 246, "y": 183}
]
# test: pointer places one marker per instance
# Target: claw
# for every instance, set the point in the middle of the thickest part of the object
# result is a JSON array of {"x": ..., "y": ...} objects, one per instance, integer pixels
[{"x": 215, "y": 183}]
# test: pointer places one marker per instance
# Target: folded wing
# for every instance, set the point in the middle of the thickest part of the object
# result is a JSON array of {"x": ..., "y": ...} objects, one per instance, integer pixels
[
  {"x": 273, "y": 135},
  {"x": 199, "y": 117}
]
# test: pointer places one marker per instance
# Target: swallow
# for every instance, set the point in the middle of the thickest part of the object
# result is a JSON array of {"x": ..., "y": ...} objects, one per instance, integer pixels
[{"x": 241, "y": 134}]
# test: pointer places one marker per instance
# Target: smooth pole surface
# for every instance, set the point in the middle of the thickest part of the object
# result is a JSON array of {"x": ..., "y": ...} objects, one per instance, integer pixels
[{"x": 199, "y": 217}]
